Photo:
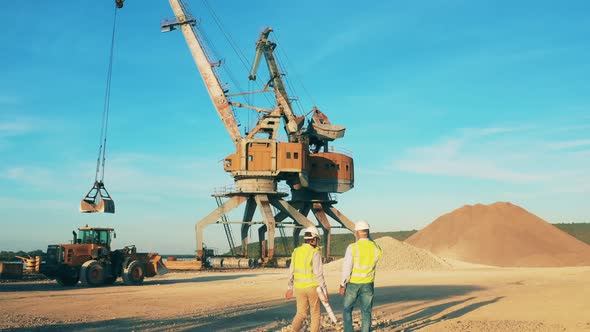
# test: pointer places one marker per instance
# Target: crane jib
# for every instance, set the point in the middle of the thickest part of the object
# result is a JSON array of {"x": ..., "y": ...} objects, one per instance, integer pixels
[{"x": 214, "y": 88}]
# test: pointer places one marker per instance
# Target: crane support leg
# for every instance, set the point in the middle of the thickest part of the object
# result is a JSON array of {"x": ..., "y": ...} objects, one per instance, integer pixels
[
  {"x": 281, "y": 216},
  {"x": 338, "y": 216},
  {"x": 320, "y": 215},
  {"x": 304, "y": 210},
  {"x": 293, "y": 212},
  {"x": 213, "y": 217},
  {"x": 262, "y": 242},
  {"x": 248, "y": 215},
  {"x": 263, "y": 204},
  {"x": 292, "y": 209}
]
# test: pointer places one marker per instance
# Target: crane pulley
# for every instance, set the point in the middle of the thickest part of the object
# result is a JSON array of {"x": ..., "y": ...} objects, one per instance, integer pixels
[{"x": 98, "y": 198}]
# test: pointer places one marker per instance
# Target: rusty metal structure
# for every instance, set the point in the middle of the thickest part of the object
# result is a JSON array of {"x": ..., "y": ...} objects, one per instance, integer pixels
[{"x": 306, "y": 162}]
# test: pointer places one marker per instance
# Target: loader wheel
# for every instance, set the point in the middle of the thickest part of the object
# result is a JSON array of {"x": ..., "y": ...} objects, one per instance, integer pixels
[
  {"x": 134, "y": 273},
  {"x": 92, "y": 274},
  {"x": 67, "y": 281}
]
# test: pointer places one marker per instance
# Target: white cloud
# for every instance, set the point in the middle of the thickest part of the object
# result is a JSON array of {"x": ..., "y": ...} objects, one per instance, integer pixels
[
  {"x": 575, "y": 127},
  {"x": 569, "y": 144},
  {"x": 18, "y": 203},
  {"x": 146, "y": 177},
  {"x": 483, "y": 153},
  {"x": 450, "y": 159},
  {"x": 31, "y": 176},
  {"x": 14, "y": 127},
  {"x": 490, "y": 131}
]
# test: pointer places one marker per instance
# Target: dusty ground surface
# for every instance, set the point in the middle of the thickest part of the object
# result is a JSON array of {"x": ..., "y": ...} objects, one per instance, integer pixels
[{"x": 467, "y": 298}]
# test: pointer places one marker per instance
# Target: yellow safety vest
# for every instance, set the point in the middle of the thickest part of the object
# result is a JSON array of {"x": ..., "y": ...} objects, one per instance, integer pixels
[
  {"x": 365, "y": 255},
  {"x": 301, "y": 261}
]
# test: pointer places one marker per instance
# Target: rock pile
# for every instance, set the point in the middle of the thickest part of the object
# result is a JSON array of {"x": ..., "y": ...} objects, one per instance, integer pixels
[
  {"x": 398, "y": 255},
  {"x": 500, "y": 234}
]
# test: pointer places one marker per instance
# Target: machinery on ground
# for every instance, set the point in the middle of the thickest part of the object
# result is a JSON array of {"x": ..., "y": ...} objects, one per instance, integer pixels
[
  {"x": 90, "y": 260},
  {"x": 260, "y": 161}
]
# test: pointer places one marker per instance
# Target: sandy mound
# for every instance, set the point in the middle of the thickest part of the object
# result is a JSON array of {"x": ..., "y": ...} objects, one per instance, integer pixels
[
  {"x": 500, "y": 234},
  {"x": 400, "y": 256}
]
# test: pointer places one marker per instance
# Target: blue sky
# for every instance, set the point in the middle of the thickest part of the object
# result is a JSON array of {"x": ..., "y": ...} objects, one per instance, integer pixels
[{"x": 446, "y": 103}]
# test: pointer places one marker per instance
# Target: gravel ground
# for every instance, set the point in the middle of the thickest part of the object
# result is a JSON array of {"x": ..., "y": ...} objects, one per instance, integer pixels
[{"x": 477, "y": 299}]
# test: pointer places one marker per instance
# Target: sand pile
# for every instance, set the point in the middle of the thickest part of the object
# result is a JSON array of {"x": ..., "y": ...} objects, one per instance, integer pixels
[
  {"x": 500, "y": 234},
  {"x": 398, "y": 255}
]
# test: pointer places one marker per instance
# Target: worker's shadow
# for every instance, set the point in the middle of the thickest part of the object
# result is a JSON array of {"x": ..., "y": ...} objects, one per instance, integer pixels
[
  {"x": 275, "y": 315},
  {"x": 434, "y": 314}
]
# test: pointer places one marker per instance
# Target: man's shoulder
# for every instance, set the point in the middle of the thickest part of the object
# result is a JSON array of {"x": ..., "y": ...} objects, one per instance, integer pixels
[{"x": 304, "y": 246}]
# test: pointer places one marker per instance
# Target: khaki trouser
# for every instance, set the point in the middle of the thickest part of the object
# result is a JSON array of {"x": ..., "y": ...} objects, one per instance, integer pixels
[{"x": 307, "y": 298}]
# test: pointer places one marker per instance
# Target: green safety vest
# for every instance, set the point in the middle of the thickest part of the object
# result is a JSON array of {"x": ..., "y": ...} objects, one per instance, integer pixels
[
  {"x": 301, "y": 261},
  {"x": 365, "y": 255}
]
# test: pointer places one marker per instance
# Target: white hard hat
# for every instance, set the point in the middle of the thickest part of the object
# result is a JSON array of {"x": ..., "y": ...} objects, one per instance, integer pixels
[
  {"x": 310, "y": 233},
  {"x": 361, "y": 225}
]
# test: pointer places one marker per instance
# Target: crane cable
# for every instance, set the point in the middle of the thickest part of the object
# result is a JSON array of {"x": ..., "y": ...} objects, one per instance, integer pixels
[
  {"x": 100, "y": 161},
  {"x": 296, "y": 76},
  {"x": 237, "y": 50}
]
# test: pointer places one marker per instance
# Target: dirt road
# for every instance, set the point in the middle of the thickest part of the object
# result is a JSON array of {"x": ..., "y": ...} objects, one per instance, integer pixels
[{"x": 465, "y": 299}]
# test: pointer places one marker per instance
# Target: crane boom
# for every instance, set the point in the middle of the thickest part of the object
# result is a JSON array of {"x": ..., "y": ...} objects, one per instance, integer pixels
[
  {"x": 266, "y": 47},
  {"x": 211, "y": 81}
]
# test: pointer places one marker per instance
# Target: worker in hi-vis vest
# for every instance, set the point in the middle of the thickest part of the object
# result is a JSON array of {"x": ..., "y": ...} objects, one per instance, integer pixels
[
  {"x": 306, "y": 273},
  {"x": 358, "y": 276}
]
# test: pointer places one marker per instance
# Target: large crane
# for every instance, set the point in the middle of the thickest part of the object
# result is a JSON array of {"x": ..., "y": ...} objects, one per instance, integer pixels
[
  {"x": 328, "y": 172},
  {"x": 260, "y": 160}
]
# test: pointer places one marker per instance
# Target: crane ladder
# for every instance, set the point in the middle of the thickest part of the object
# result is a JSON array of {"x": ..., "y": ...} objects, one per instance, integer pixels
[{"x": 227, "y": 228}]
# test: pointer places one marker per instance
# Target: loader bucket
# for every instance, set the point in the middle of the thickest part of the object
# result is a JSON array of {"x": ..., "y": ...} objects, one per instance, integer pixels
[
  {"x": 155, "y": 266},
  {"x": 97, "y": 200}
]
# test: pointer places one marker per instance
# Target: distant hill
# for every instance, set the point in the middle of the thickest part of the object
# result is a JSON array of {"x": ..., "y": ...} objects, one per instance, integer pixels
[
  {"x": 339, "y": 243},
  {"x": 580, "y": 231}
]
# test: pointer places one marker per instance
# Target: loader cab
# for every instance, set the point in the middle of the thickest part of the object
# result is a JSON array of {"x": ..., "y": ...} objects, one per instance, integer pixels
[{"x": 94, "y": 235}]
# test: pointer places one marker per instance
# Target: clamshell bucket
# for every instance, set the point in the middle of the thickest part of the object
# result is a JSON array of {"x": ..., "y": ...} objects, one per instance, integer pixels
[
  {"x": 97, "y": 200},
  {"x": 323, "y": 128},
  {"x": 328, "y": 132}
]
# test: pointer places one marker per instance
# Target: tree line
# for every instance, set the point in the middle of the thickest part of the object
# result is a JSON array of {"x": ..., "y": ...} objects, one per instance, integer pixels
[{"x": 10, "y": 256}]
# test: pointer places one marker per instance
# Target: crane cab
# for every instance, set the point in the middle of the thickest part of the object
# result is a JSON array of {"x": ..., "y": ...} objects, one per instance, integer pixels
[
  {"x": 93, "y": 235},
  {"x": 331, "y": 172},
  {"x": 259, "y": 157}
]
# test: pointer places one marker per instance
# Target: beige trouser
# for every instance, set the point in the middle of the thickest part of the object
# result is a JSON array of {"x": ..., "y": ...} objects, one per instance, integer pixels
[{"x": 307, "y": 298}]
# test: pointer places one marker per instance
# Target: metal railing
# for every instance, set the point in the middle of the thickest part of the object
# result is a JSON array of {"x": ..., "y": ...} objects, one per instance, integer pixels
[{"x": 341, "y": 150}]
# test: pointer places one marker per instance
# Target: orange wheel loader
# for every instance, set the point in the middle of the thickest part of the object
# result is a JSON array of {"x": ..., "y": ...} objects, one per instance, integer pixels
[{"x": 90, "y": 260}]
